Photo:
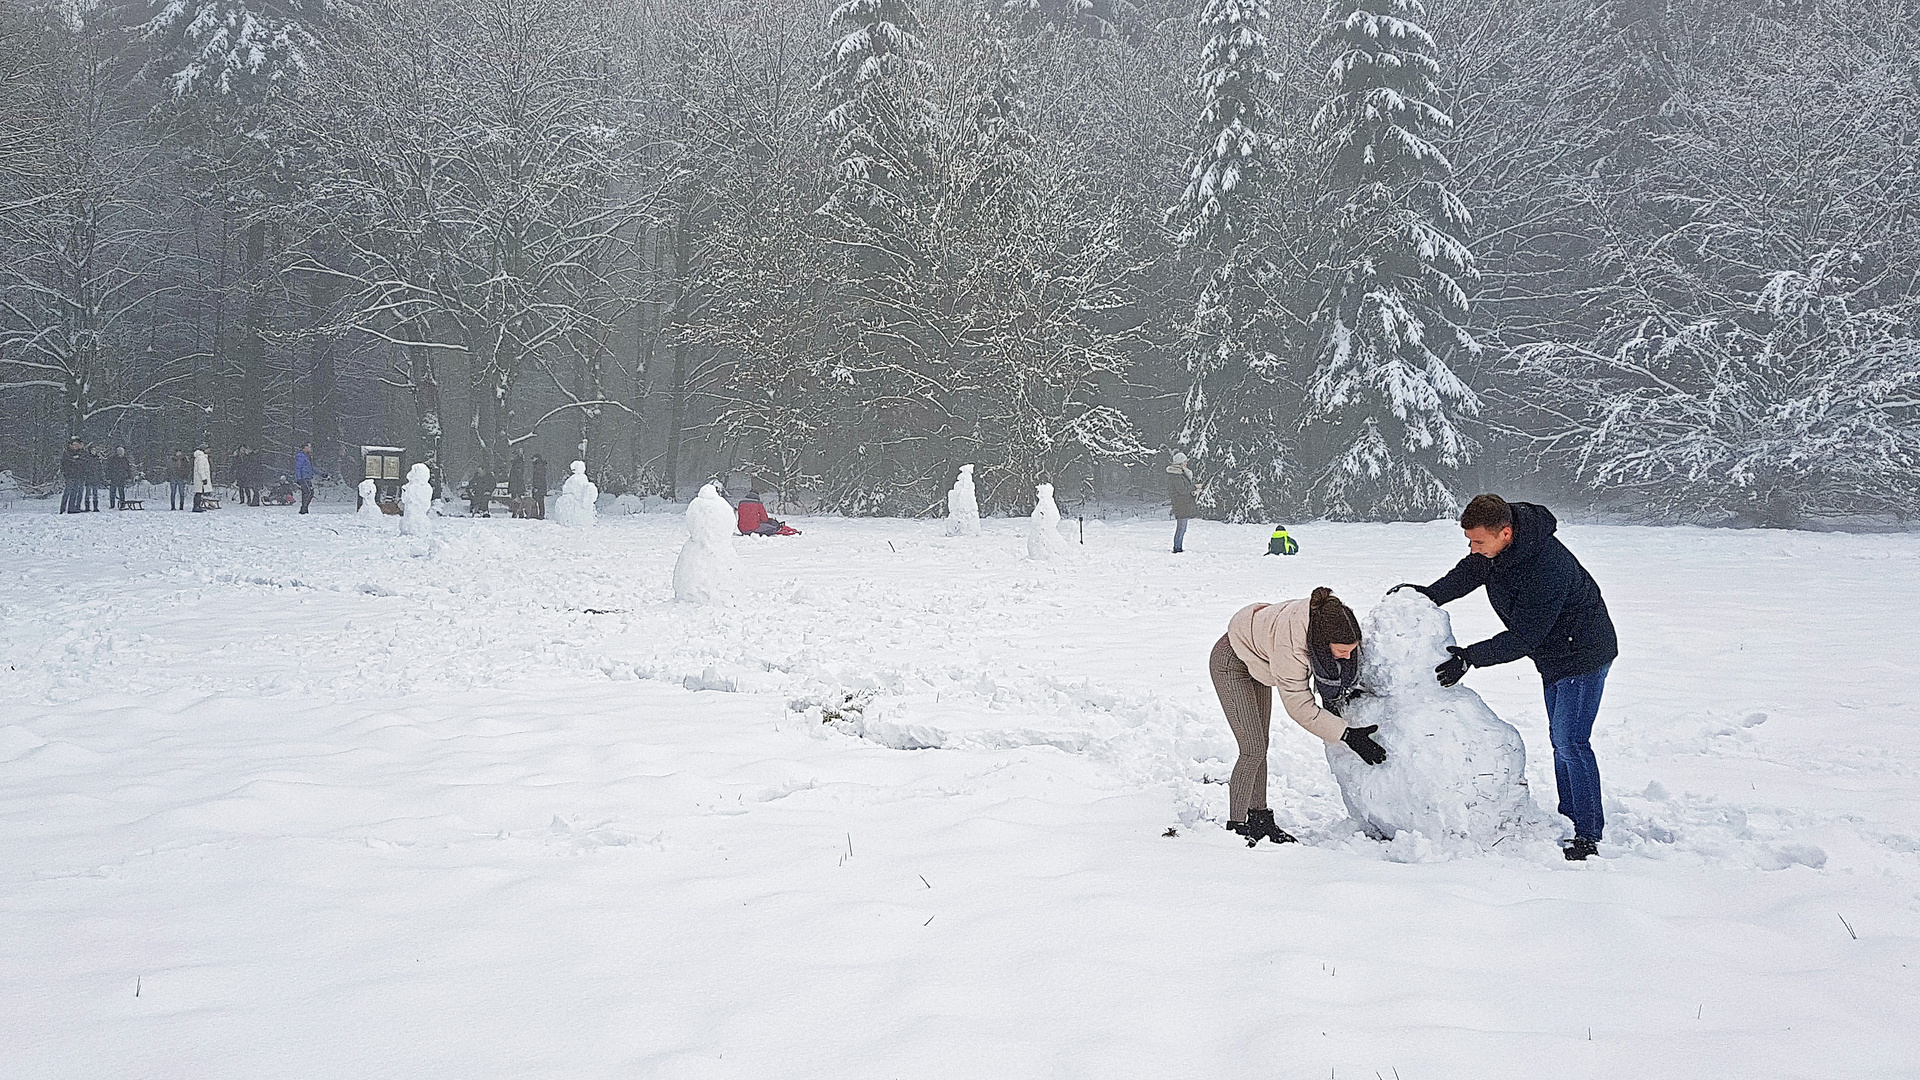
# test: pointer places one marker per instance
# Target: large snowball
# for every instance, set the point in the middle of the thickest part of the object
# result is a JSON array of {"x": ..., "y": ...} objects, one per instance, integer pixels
[
  {"x": 708, "y": 564},
  {"x": 1453, "y": 768}
]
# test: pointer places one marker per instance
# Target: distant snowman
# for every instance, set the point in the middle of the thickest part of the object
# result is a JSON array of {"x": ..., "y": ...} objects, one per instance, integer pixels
[
  {"x": 416, "y": 502},
  {"x": 1453, "y": 770},
  {"x": 578, "y": 496},
  {"x": 1044, "y": 542},
  {"x": 369, "y": 501},
  {"x": 963, "y": 511},
  {"x": 708, "y": 564}
]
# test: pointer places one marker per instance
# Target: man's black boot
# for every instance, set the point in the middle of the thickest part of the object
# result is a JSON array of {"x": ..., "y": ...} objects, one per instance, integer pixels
[{"x": 1578, "y": 848}]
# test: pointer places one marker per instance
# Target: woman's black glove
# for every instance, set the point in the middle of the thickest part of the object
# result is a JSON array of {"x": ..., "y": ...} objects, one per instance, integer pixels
[
  {"x": 1361, "y": 740},
  {"x": 1454, "y": 669}
]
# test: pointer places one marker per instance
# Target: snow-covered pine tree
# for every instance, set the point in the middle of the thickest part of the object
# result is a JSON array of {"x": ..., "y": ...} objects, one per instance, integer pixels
[
  {"x": 1238, "y": 403},
  {"x": 993, "y": 170},
  {"x": 1386, "y": 405},
  {"x": 248, "y": 48},
  {"x": 878, "y": 135}
]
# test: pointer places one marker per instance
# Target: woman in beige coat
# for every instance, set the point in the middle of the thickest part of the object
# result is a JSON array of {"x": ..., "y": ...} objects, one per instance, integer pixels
[{"x": 1297, "y": 646}]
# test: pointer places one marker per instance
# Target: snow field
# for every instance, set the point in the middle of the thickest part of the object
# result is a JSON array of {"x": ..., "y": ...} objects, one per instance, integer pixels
[{"x": 342, "y": 802}]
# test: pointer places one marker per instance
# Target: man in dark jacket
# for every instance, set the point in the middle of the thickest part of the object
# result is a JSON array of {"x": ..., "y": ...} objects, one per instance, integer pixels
[
  {"x": 1553, "y": 613},
  {"x": 242, "y": 475},
  {"x": 119, "y": 475},
  {"x": 96, "y": 477},
  {"x": 303, "y": 474},
  {"x": 1180, "y": 489},
  {"x": 517, "y": 485},
  {"x": 73, "y": 469},
  {"x": 179, "y": 475},
  {"x": 538, "y": 496}
]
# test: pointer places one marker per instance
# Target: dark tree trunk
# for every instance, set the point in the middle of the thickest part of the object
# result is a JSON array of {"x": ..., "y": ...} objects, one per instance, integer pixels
[{"x": 677, "y": 419}]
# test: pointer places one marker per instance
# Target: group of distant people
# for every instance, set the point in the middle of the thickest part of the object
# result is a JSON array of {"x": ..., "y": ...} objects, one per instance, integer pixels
[
  {"x": 526, "y": 489},
  {"x": 87, "y": 469}
]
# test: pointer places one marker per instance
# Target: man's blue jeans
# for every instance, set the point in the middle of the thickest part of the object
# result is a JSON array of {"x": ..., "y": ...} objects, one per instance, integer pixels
[
  {"x": 1572, "y": 703},
  {"x": 73, "y": 499},
  {"x": 1179, "y": 533}
]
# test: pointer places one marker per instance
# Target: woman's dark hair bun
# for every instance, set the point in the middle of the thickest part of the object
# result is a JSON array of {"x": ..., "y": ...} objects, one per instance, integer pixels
[{"x": 1329, "y": 621}]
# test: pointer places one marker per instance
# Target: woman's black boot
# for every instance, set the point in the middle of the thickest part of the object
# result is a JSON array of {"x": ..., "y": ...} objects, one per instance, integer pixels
[{"x": 1260, "y": 824}]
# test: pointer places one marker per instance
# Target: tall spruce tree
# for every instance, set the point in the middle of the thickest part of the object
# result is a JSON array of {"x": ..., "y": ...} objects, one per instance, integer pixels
[
  {"x": 1236, "y": 419},
  {"x": 1386, "y": 407},
  {"x": 878, "y": 135}
]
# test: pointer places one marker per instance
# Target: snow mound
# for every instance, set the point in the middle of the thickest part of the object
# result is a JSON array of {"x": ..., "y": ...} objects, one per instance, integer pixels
[
  {"x": 638, "y": 504},
  {"x": 578, "y": 497},
  {"x": 1454, "y": 770},
  {"x": 1044, "y": 542},
  {"x": 963, "y": 510},
  {"x": 708, "y": 564},
  {"x": 416, "y": 502}
]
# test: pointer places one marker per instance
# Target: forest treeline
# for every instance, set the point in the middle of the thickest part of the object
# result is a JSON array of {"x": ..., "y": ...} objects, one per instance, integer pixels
[{"x": 1355, "y": 258}]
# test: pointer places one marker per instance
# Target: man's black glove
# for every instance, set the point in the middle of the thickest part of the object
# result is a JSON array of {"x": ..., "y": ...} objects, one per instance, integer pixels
[
  {"x": 1454, "y": 669},
  {"x": 1421, "y": 589},
  {"x": 1361, "y": 739}
]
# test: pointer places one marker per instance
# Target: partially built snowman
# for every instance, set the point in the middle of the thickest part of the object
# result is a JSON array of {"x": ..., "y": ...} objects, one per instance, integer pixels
[
  {"x": 576, "y": 505},
  {"x": 1044, "y": 542},
  {"x": 963, "y": 510},
  {"x": 416, "y": 502},
  {"x": 369, "y": 501},
  {"x": 708, "y": 565},
  {"x": 1454, "y": 770}
]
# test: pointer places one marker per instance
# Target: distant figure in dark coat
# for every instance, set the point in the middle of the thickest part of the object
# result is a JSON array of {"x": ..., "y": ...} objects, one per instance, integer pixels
[
  {"x": 256, "y": 475},
  {"x": 480, "y": 493},
  {"x": 1180, "y": 487},
  {"x": 1553, "y": 613},
  {"x": 96, "y": 477},
  {"x": 179, "y": 474},
  {"x": 303, "y": 475},
  {"x": 119, "y": 474},
  {"x": 538, "y": 495},
  {"x": 517, "y": 486},
  {"x": 242, "y": 473},
  {"x": 73, "y": 469}
]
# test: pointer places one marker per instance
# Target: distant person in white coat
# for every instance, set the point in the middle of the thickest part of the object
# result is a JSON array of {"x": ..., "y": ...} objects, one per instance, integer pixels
[{"x": 202, "y": 478}]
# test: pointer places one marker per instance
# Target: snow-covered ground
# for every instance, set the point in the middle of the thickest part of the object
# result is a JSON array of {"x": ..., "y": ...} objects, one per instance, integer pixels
[{"x": 289, "y": 796}]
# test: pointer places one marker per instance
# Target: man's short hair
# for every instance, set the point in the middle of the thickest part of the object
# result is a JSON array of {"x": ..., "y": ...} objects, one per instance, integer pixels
[{"x": 1489, "y": 512}]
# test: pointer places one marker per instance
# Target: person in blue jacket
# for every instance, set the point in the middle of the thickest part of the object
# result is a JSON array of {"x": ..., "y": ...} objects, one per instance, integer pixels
[
  {"x": 1554, "y": 614},
  {"x": 303, "y": 474}
]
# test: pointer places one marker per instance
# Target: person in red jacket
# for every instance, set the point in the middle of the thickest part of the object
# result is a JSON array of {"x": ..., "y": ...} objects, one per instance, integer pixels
[{"x": 753, "y": 519}]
